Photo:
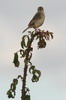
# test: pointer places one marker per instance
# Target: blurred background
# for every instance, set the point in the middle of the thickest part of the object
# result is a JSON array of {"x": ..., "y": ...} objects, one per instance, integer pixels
[{"x": 14, "y": 18}]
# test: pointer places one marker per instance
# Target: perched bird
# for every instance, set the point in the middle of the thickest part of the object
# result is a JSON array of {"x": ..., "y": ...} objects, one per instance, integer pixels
[{"x": 37, "y": 20}]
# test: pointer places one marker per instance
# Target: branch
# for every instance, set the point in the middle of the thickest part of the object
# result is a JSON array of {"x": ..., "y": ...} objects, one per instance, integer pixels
[{"x": 26, "y": 53}]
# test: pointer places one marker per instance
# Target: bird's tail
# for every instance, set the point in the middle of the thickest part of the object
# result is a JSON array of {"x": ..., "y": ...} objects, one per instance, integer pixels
[{"x": 25, "y": 29}]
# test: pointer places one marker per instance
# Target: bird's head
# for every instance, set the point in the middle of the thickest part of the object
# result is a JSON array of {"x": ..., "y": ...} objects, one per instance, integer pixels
[{"x": 40, "y": 9}]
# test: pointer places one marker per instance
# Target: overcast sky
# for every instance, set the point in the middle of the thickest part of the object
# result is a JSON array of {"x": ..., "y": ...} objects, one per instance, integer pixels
[{"x": 14, "y": 18}]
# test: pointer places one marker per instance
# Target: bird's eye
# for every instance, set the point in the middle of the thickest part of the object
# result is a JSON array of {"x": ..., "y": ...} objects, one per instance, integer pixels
[{"x": 40, "y": 8}]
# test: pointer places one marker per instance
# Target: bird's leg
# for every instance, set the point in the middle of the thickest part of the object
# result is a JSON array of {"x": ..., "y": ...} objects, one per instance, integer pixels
[
  {"x": 35, "y": 30},
  {"x": 39, "y": 30}
]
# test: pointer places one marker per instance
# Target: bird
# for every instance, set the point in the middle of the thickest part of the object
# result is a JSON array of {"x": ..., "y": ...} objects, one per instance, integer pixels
[{"x": 37, "y": 20}]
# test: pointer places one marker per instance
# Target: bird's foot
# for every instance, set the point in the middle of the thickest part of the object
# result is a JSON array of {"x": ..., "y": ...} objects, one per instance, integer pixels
[{"x": 38, "y": 30}]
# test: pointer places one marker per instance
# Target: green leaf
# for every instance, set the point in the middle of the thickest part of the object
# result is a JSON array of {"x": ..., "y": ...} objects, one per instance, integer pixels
[
  {"x": 37, "y": 73},
  {"x": 22, "y": 53},
  {"x": 30, "y": 56},
  {"x": 27, "y": 89},
  {"x": 35, "y": 78},
  {"x": 28, "y": 42},
  {"x": 23, "y": 43},
  {"x": 10, "y": 95},
  {"x": 31, "y": 69},
  {"x": 19, "y": 76},
  {"x": 13, "y": 87},
  {"x": 51, "y": 34},
  {"x": 15, "y": 61},
  {"x": 15, "y": 81},
  {"x": 29, "y": 64},
  {"x": 27, "y": 97},
  {"x": 41, "y": 44}
]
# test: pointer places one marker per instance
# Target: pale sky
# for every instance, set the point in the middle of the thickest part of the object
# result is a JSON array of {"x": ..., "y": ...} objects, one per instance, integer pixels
[{"x": 14, "y": 18}]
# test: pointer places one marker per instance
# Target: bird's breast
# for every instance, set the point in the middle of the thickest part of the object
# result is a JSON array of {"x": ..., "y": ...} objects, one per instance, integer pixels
[{"x": 39, "y": 22}]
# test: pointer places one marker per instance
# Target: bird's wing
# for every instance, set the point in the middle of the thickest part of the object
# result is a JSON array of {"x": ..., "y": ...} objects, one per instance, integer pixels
[{"x": 34, "y": 19}]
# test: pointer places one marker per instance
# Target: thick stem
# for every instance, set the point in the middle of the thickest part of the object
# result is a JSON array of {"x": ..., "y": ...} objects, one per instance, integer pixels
[
  {"x": 25, "y": 70},
  {"x": 24, "y": 82}
]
